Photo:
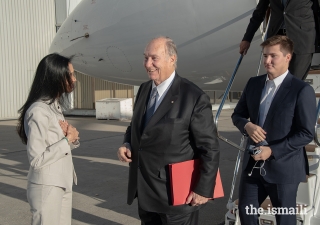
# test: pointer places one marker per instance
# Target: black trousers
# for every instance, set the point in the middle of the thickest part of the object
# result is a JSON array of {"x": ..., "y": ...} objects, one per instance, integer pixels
[
  {"x": 300, "y": 63},
  {"x": 254, "y": 190},
  {"x": 153, "y": 218}
]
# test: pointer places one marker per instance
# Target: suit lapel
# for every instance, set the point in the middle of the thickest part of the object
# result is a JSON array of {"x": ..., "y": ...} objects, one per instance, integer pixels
[
  {"x": 167, "y": 102},
  {"x": 257, "y": 96},
  {"x": 278, "y": 98},
  {"x": 140, "y": 107}
]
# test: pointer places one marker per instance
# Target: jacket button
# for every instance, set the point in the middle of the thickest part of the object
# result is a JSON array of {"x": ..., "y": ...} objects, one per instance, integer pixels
[{"x": 66, "y": 154}]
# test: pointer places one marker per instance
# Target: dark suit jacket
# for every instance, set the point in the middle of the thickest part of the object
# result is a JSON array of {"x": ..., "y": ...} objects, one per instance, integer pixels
[
  {"x": 290, "y": 125},
  {"x": 299, "y": 21},
  {"x": 181, "y": 129}
]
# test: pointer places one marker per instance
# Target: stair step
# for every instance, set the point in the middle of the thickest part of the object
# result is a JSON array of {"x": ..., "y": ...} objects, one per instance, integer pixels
[
  {"x": 266, "y": 204},
  {"x": 315, "y": 221},
  {"x": 314, "y": 72},
  {"x": 310, "y": 148}
]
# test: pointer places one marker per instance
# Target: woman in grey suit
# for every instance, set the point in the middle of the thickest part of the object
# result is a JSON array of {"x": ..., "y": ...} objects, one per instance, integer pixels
[{"x": 49, "y": 139}]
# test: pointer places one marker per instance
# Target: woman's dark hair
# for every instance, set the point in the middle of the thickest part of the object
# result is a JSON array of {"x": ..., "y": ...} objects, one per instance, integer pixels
[{"x": 52, "y": 81}]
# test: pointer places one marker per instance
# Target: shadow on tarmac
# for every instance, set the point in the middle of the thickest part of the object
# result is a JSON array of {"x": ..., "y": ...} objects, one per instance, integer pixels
[{"x": 100, "y": 196}]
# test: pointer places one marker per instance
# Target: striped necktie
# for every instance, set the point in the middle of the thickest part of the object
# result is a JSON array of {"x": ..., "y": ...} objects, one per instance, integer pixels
[
  {"x": 266, "y": 101},
  {"x": 151, "y": 105}
]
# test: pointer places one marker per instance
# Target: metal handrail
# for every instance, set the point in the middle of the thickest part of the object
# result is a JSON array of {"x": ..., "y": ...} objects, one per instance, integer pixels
[
  {"x": 228, "y": 90},
  {"x": 258, "y": 71},
  {"x": 231, "y": 204},
  {"x": 225, "y": 95},
  {"x": 264, "y": 38},
  {"x": 235, "y": 173},
  {"x": 240, "y": 148},
  {"x": 316, "y": 126}
]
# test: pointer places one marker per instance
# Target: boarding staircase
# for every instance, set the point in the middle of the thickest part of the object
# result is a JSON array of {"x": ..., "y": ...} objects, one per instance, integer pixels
[
  {"x": 308, "y": 195},
  {"x": 308, "y": 198}
]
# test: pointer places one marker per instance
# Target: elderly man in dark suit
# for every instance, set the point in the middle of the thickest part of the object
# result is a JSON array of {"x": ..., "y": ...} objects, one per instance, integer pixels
[
  {"x": 172, "y": 122},
  {"x": 293, "y": 18},
  {"x": 282, "y": 112}
]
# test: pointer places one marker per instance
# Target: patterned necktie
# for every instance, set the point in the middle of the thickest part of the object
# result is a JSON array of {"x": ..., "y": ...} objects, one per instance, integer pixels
[
  {"x": 266, "y": 101},
  {"x": 151, "y": 105}
]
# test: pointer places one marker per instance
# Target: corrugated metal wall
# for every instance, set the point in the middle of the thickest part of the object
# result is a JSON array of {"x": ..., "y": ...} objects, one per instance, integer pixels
[
  {"x": 27, "y": 28},
  {"x": 89, "y": 89},
  {"x": 216, "y": 96}
]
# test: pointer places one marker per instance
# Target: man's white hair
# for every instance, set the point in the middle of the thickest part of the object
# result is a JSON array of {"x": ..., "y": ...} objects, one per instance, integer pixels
[{"x": 171, "y": 48}]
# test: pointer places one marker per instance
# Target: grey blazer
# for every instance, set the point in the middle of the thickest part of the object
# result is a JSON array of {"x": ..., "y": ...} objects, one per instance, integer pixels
[{"x": 48, "y": 153}]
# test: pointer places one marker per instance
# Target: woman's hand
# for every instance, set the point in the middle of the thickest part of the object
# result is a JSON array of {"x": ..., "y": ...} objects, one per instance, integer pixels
[
  {"x": 72, "y": 134},
  {"x": 64, "y": 126}
]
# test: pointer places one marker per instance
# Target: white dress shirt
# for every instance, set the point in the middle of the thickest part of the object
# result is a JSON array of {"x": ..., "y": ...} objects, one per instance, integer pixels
[
  {"x": 163, "y": 89},
  {"x": 268, "y": 93}
]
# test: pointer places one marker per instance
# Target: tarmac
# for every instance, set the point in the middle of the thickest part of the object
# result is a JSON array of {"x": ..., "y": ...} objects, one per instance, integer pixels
[{"x": 101, "y": 193}]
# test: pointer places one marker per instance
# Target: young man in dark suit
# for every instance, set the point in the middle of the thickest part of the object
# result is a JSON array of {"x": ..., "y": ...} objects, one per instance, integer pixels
[
  {"x": 292, "y": 18},
  {"x": 280, "y": 109},
  {"x": 172, "y": 122}
]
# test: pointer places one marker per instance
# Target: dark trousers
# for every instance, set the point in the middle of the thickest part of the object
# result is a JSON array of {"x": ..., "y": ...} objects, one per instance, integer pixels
[
  {"x": 152, "y": 218},
  {"x": 254, "y": 190},
  {"x": 300, "y": 65}
]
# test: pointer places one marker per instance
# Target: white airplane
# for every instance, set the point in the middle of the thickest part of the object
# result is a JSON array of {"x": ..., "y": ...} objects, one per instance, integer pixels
[
  {"x": 108, "y": 38},
  {"x": 206, "y": 32}
]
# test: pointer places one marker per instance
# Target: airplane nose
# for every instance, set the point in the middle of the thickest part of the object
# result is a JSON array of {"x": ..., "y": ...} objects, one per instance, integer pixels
[
  {"x": 74, "y": 28},
  {"x": 62, "y": 38}
]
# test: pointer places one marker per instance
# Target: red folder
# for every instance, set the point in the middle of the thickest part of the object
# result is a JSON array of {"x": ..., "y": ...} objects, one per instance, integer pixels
[{"x": 184, "y": 176}]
